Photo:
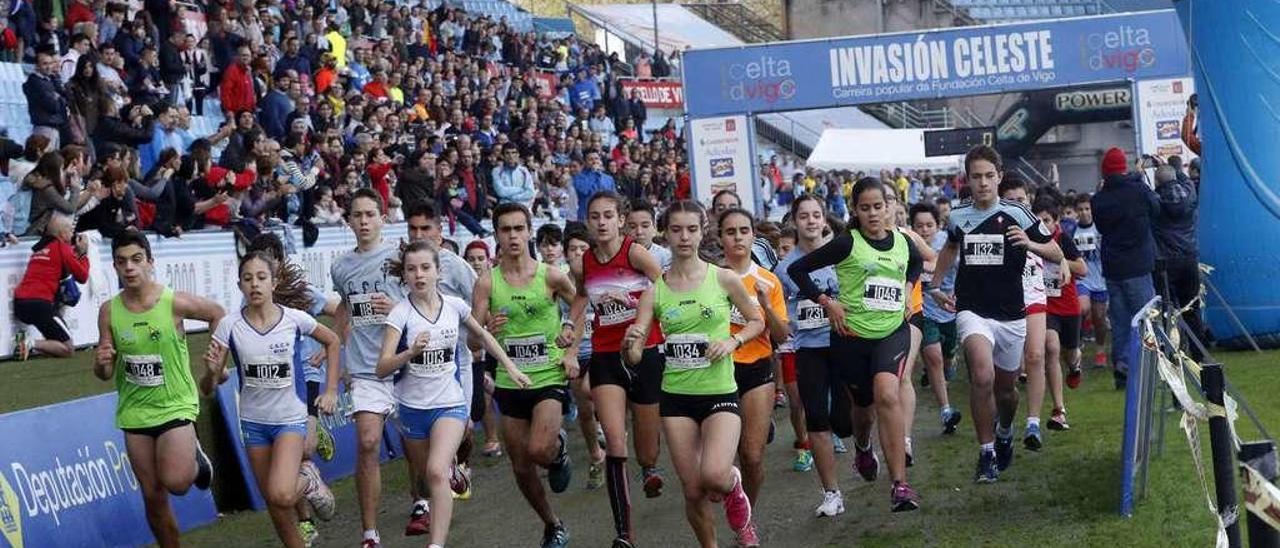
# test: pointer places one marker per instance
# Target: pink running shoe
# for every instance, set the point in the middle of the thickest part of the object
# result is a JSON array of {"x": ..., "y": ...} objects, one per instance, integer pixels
[
  {"x": 737, "y": 507},
  {"x": 747, "y": 538}
]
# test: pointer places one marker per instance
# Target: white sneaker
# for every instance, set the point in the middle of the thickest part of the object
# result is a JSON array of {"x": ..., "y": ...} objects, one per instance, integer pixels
[
  {"x": 832, "y": 504},
  {"x": 316, "y": 492}
]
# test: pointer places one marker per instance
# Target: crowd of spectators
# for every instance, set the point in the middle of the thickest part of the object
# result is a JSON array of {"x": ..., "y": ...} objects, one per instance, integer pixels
[{"x": 424, "y": 105}]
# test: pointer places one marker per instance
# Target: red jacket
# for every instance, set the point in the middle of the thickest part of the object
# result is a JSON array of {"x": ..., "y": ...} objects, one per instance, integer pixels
[
  {"x": 236, "y": 90},
  {"x": 47, "y": 267},
  {"x": 78, "y": 12}
]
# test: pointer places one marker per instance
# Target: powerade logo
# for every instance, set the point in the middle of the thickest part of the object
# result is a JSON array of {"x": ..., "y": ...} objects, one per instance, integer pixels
[
  {"x": 10, "y": 515},
  {"x": 763, "y": 79},
  {"x": 1125, "y": 48}
]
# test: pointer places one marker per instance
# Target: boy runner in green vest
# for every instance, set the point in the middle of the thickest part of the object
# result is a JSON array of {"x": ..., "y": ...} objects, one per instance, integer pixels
[
  {"x": 142, "y": 347},
  {"x": 520, "y": 297}
]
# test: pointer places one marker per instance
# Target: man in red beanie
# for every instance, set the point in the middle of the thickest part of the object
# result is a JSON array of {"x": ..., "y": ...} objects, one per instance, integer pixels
[{"x": 1123, "y": 211}]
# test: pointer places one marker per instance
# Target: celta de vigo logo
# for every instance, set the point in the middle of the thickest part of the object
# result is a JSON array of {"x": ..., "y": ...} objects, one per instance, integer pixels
[
  {"x": 1125, "y": 47},
  {"x": 766, "y": 78}
]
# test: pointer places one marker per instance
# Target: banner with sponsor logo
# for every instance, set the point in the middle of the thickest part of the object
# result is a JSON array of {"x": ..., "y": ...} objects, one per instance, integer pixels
[
  {"x": 1161, "y": 104},
  {"x": 656, "y": 94},
  {"x": 721, "y": 152},
  {"x": 76, "y": 488},
  {"x": 915, "y": 65}
]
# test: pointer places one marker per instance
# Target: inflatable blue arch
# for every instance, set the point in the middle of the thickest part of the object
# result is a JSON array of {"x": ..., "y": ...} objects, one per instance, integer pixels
[{"x": 1235, "y": 50}]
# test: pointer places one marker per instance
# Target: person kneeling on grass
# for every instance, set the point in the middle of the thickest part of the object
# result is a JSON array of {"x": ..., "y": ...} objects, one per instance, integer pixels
[
  {"x": 39, "y": 296},
  {"x": 261, "y": 338}
]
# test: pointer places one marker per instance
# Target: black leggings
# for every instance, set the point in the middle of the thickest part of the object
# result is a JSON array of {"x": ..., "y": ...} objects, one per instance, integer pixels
[{"x": 826, "y": 401}]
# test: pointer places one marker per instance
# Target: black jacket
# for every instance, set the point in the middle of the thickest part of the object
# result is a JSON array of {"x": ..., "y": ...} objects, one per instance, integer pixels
[
  {"x": 45, "y": 101},
  {"x": 111, "y": 129},
  {"x": 1124, "y": 211},
  {"x": 1175, "y": 227}
]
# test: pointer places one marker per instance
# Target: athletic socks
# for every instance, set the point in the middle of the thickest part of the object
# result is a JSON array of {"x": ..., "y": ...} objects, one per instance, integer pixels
[
  {"x": 989, "y": 447},
  {"x": 801, "y": 445},
  {"x": 619, "y": 494},
  {"x": 372, "y": 534}
]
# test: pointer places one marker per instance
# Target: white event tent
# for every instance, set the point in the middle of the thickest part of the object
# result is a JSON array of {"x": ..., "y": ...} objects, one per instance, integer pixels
[{"x": 870, "y": 150}]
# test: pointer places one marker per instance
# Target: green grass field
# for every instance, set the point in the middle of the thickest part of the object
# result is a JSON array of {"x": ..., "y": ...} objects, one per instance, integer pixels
[{"x": 1066, "y": 495}]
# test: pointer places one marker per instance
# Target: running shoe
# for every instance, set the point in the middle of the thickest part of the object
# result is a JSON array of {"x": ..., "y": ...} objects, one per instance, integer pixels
[
  {"x": 555, "y": 536},
  {"x": 950, "y": 419},
  {"x": 600, "y": 439},
  {"x": 419, "y": 520},
  {"x": 1022, "y": 378},
  {"x": 747, "y": 537},
  {"x": 779, "y": 399},
  {"x": 22, "y": 350},
  {"x": 911, "y": 459},
  {"x": 1121, "y": 379},
  {"x": 572, "y": 415},
  {"x": 308, "y": 532},
  {"x": 948, "y": 372},
  {"x": 902, "y": 498},
  {"x": 492, "y": 449},
  {"x": 652, "y": 482},
  {"x": 1032, "y": 439},
  {"x": 1100, "y": 359},
  {"x": 837, "y": 445},
  {"x": 1058, "y": 420},
  {"x": 561, "y": 470},
  {"x": 204, "y": 469},
  {"x": 804, "y": 461},
  {"x": 620, "y": 542},
  {"x": 865, "y": 462},
  {"x": 987, "y": 471},
  {"x": 316, "y": 492},
  {"x": 370, "y": 543},
  {"x": 773, "y": 429},
  {"x": 1074, "y": 376},
  {"x": 324, "y": 443},
  {"x": 832, "y": 504},
  {"x": 737, "y": 507},
  {"x": 595, "y": 476},
  {"x": 460, "y": 482},
  {"x": 1004, "y": 452}
]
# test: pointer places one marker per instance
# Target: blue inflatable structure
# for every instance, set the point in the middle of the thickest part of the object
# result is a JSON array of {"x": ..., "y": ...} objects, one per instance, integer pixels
[{"x": 1235, "y": 50}]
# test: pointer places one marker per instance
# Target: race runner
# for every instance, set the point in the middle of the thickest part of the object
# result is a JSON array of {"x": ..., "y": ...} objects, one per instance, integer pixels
[
  {"x": 939, "y": 326},
  {"x": 369, "y": 291},
  {"x": 874, "y": 267},
  {"x": 991, "y": 310},
  {"x": 1062, "y": 334},
  {"x": 1013, "y": 188},
  {"x": 517, "y": 303},
  {"x": 753, "y": 361},
  {"x": 264, "y": 340},
  {"x": 420, "y": 345},
  {"x": 142, "y": 348},
  {"x": 699, "y": 401},
  {"x": 610, "y": 278}
]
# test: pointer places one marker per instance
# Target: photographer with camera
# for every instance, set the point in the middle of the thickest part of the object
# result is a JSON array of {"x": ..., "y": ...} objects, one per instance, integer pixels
[{"x": 59, "y": 261}]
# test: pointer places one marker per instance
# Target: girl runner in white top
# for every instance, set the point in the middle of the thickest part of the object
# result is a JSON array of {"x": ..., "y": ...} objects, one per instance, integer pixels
[
  {"x": 419, "y": 346},
  {"x": 264, "y": 341}
]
